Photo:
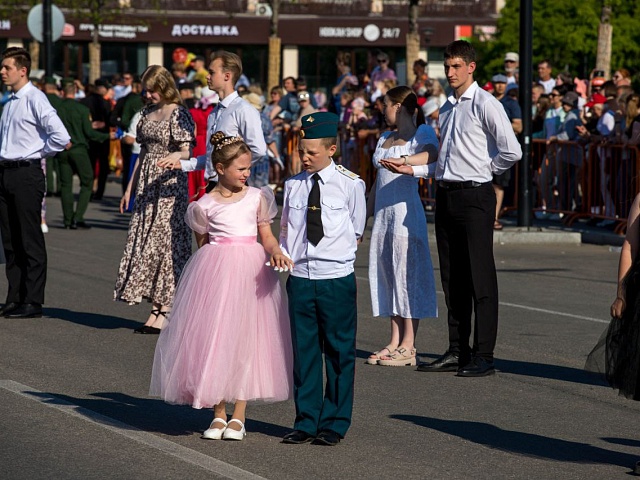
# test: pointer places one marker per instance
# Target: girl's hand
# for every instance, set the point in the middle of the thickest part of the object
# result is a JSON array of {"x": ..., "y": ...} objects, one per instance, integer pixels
[
  {"x": 393, "y": 167},
  {"x": 171, "y": 161},
  {"x": 393, "y": 161},
  {"x": 281, "y": 262},
  {"x": 617, "y": 307},
  {"x": 124, "y": 202}
]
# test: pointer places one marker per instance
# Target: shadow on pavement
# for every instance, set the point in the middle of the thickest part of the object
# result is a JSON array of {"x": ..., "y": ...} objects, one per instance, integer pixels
[
  {"x": 94, "y": 320},
  {"x": 150, "y": 415},
  {"x": 622, "y": 441},
  {"x": 521, "y": 443},
  {"x": 553, "y": 372}
]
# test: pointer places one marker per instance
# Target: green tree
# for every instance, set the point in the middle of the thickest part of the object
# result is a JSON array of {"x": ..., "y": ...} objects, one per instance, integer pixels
[{"x": 566, "y": 33}]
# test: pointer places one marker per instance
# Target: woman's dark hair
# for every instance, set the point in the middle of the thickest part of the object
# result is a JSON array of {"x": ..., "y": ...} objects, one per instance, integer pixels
[{"x": 406, "y": 97}]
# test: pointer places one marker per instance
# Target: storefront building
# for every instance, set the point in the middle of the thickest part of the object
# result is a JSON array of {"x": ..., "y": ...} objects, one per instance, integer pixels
[{"x": 311, "y": 32}]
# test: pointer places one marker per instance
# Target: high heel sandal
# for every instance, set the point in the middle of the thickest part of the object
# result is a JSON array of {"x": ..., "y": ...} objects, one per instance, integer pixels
[
  {"x": 376, "y": 356},
  {"x": 146, "y": 329},
  {"x": 215, "y": 433},
  {"x": 401, "y": 357}
]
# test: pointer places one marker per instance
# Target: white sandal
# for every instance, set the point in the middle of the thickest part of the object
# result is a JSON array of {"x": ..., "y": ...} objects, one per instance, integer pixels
[
  {"x": 215, "y": 433},
  {"x": 231, "y": 434}
]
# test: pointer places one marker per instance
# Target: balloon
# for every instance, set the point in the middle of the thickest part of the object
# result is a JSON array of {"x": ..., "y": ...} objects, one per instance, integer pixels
[
  {"x": 189, "y": 59},
  {"x": 179, "y": 55}
]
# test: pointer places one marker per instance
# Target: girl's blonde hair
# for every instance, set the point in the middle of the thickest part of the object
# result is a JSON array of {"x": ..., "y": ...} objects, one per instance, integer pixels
[
  {"x": 158, "y": 79},
  {"x": 226, "y": 149}
]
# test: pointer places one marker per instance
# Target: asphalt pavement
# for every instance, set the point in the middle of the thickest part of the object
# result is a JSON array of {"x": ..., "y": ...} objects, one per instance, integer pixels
[{"x": 74, "y": 384}]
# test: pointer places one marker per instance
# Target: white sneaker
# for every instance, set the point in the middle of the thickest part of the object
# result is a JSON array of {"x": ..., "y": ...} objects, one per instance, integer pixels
[
  {"x": 230, "y": 434},
  {"x": 44, "y": 227},
  {"x": 215, "y": 433}
]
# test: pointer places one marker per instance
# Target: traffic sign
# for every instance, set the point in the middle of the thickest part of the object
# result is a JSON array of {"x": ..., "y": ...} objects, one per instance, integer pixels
[{"x": 34, "y": 23}]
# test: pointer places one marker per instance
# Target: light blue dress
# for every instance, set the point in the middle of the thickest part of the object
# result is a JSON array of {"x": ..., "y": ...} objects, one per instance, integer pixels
[{"x": 400, "y": 269}]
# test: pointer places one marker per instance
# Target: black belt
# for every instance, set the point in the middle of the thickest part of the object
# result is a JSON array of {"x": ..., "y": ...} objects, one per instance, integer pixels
[
  {"x": 19, "y": 163},
  {"x": 460, "y": 185}
]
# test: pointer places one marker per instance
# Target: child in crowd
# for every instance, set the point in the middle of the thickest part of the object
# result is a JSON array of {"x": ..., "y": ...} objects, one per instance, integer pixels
[
  {"x": 228, "y": 338},
  {"x": 323, "y": 218}
]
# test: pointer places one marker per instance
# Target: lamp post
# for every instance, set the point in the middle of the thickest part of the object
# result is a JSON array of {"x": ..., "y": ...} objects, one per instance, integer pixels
[
  {"x": 46, "y": 37},
  {"x": 526, "y": 68}
]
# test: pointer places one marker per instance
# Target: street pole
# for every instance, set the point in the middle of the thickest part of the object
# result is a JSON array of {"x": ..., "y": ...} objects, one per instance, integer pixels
[
  {"x": 46, "y": 37},
  {"x": 526, "y": 68}
]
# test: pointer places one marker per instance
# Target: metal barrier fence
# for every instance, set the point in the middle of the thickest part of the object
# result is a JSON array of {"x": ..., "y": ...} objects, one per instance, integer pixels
[{"x": 571, "y": 180}]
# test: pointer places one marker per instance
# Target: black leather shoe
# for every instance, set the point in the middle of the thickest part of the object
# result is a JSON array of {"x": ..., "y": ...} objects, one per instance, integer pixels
[
  {"x": 477, "y": 367},
  {"x": 71, "y": 227},
  {"x": 8, "y": 308},
  {"x": 449, "y": 362},
  {"x": 146, "y": 330},
  {"x": 297, "y": 437},
  {"x": 26, "y": 310},
  {"x": 328, "y": 438},
  {"x": 83, "y": 225}
]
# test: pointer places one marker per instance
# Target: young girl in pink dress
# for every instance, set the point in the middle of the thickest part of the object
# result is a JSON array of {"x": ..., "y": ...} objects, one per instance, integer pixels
[{"x": 228, "y": 338}]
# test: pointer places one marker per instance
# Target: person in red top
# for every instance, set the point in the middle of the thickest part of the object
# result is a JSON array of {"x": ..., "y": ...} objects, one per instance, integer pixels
[{"x": 200, "y": 112}]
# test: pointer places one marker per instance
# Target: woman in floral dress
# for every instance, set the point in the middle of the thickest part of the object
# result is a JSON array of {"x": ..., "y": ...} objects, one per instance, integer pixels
[{"x": 159, "y": 241}]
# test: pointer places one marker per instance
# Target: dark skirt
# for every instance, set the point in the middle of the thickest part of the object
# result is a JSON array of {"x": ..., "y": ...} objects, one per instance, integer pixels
[{"x": 617, "y": 354}]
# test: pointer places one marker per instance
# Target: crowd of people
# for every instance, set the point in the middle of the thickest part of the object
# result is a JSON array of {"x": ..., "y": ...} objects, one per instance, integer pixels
[{"x": 227, "y": 334}]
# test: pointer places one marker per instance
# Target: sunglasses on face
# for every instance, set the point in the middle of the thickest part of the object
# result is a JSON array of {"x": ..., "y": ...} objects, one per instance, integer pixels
[{"x": 382, "y": 60}]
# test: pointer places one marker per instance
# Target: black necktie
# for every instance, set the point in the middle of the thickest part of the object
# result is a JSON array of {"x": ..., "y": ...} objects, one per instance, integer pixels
[{"x": 314, "y": 213}]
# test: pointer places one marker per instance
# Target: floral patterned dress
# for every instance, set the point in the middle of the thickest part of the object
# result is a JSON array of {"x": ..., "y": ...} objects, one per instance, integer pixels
[{"x": 159, "y": 241}]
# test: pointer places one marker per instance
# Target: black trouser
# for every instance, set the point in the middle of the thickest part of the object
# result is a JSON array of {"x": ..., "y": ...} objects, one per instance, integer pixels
[
  {"x": 21, "y": 193},
  {"x": 99, "y": 152},
  {"x": 464, "y": 233}
]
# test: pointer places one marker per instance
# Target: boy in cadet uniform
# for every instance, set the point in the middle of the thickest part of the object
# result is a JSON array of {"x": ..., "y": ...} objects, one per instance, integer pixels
[{"x": 323, "y": 218}]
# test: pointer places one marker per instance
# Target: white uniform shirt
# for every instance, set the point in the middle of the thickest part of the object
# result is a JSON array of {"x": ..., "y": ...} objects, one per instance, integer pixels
[
  {"x": 30, "y": 128},
  {"x": 133, "y": 132},
  {"x": 476, "y": 140},
  {"x": 235, "y": 117},
  {"x": 343, "y": 211}
]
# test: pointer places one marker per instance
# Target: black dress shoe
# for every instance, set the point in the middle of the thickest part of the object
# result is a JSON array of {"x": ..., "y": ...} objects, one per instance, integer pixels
[
  {"x": 449, "y": 362},
  {"x": 26, "y": 310},
  {"x": 71, "y": 227},
  {"x": 8, "y": 308},
  {"x": 146, "y": 330},
  {"x": 83, "y": 225},
  {"x": 478, "y": 367},
  {"x": 328, "y": 438},
  {"x": 297, "y": 437}
]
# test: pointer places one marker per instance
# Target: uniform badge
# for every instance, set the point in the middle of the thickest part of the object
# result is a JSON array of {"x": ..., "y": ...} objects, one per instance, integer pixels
[
  {"x": 311, "y": 119},
  {"x": 347, "y": 173}
]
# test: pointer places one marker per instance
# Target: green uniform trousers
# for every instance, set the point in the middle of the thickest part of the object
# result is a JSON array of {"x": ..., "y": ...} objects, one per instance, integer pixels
[
  {"x": 323, "y": 316},
  {"x": 76, "y": 160}
]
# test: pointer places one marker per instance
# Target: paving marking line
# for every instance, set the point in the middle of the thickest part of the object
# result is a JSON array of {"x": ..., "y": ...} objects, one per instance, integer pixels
[
  {"x": 185, "y": 454},
  {"x": 534, "y": 309}
]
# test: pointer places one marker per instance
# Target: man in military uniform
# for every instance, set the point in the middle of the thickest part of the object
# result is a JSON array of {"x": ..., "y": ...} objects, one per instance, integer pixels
[
  {"x": 323, "y": 218},
  {"x": 77, "y": 119},
  {"x": 50, "y": 89}
]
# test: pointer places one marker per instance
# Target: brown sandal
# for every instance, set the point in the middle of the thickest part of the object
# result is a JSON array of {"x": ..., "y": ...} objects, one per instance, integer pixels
[{"x": 497, "y": 225}]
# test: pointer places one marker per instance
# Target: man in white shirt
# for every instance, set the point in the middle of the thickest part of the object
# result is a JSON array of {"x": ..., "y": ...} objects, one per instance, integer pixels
[
  {"x": 233, "y": 116},
  {"x": 30, "y": 130},
  {"x": 544, "y": 76},
  {"x": 477, "y": 141}
]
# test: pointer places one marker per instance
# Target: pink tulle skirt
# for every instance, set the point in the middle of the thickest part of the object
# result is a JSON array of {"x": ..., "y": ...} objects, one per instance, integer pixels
[{"x": 228, "y": 336}]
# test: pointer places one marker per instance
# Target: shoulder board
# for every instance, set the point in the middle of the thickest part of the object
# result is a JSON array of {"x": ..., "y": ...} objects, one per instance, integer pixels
[{"x": 347, "y": 173}]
